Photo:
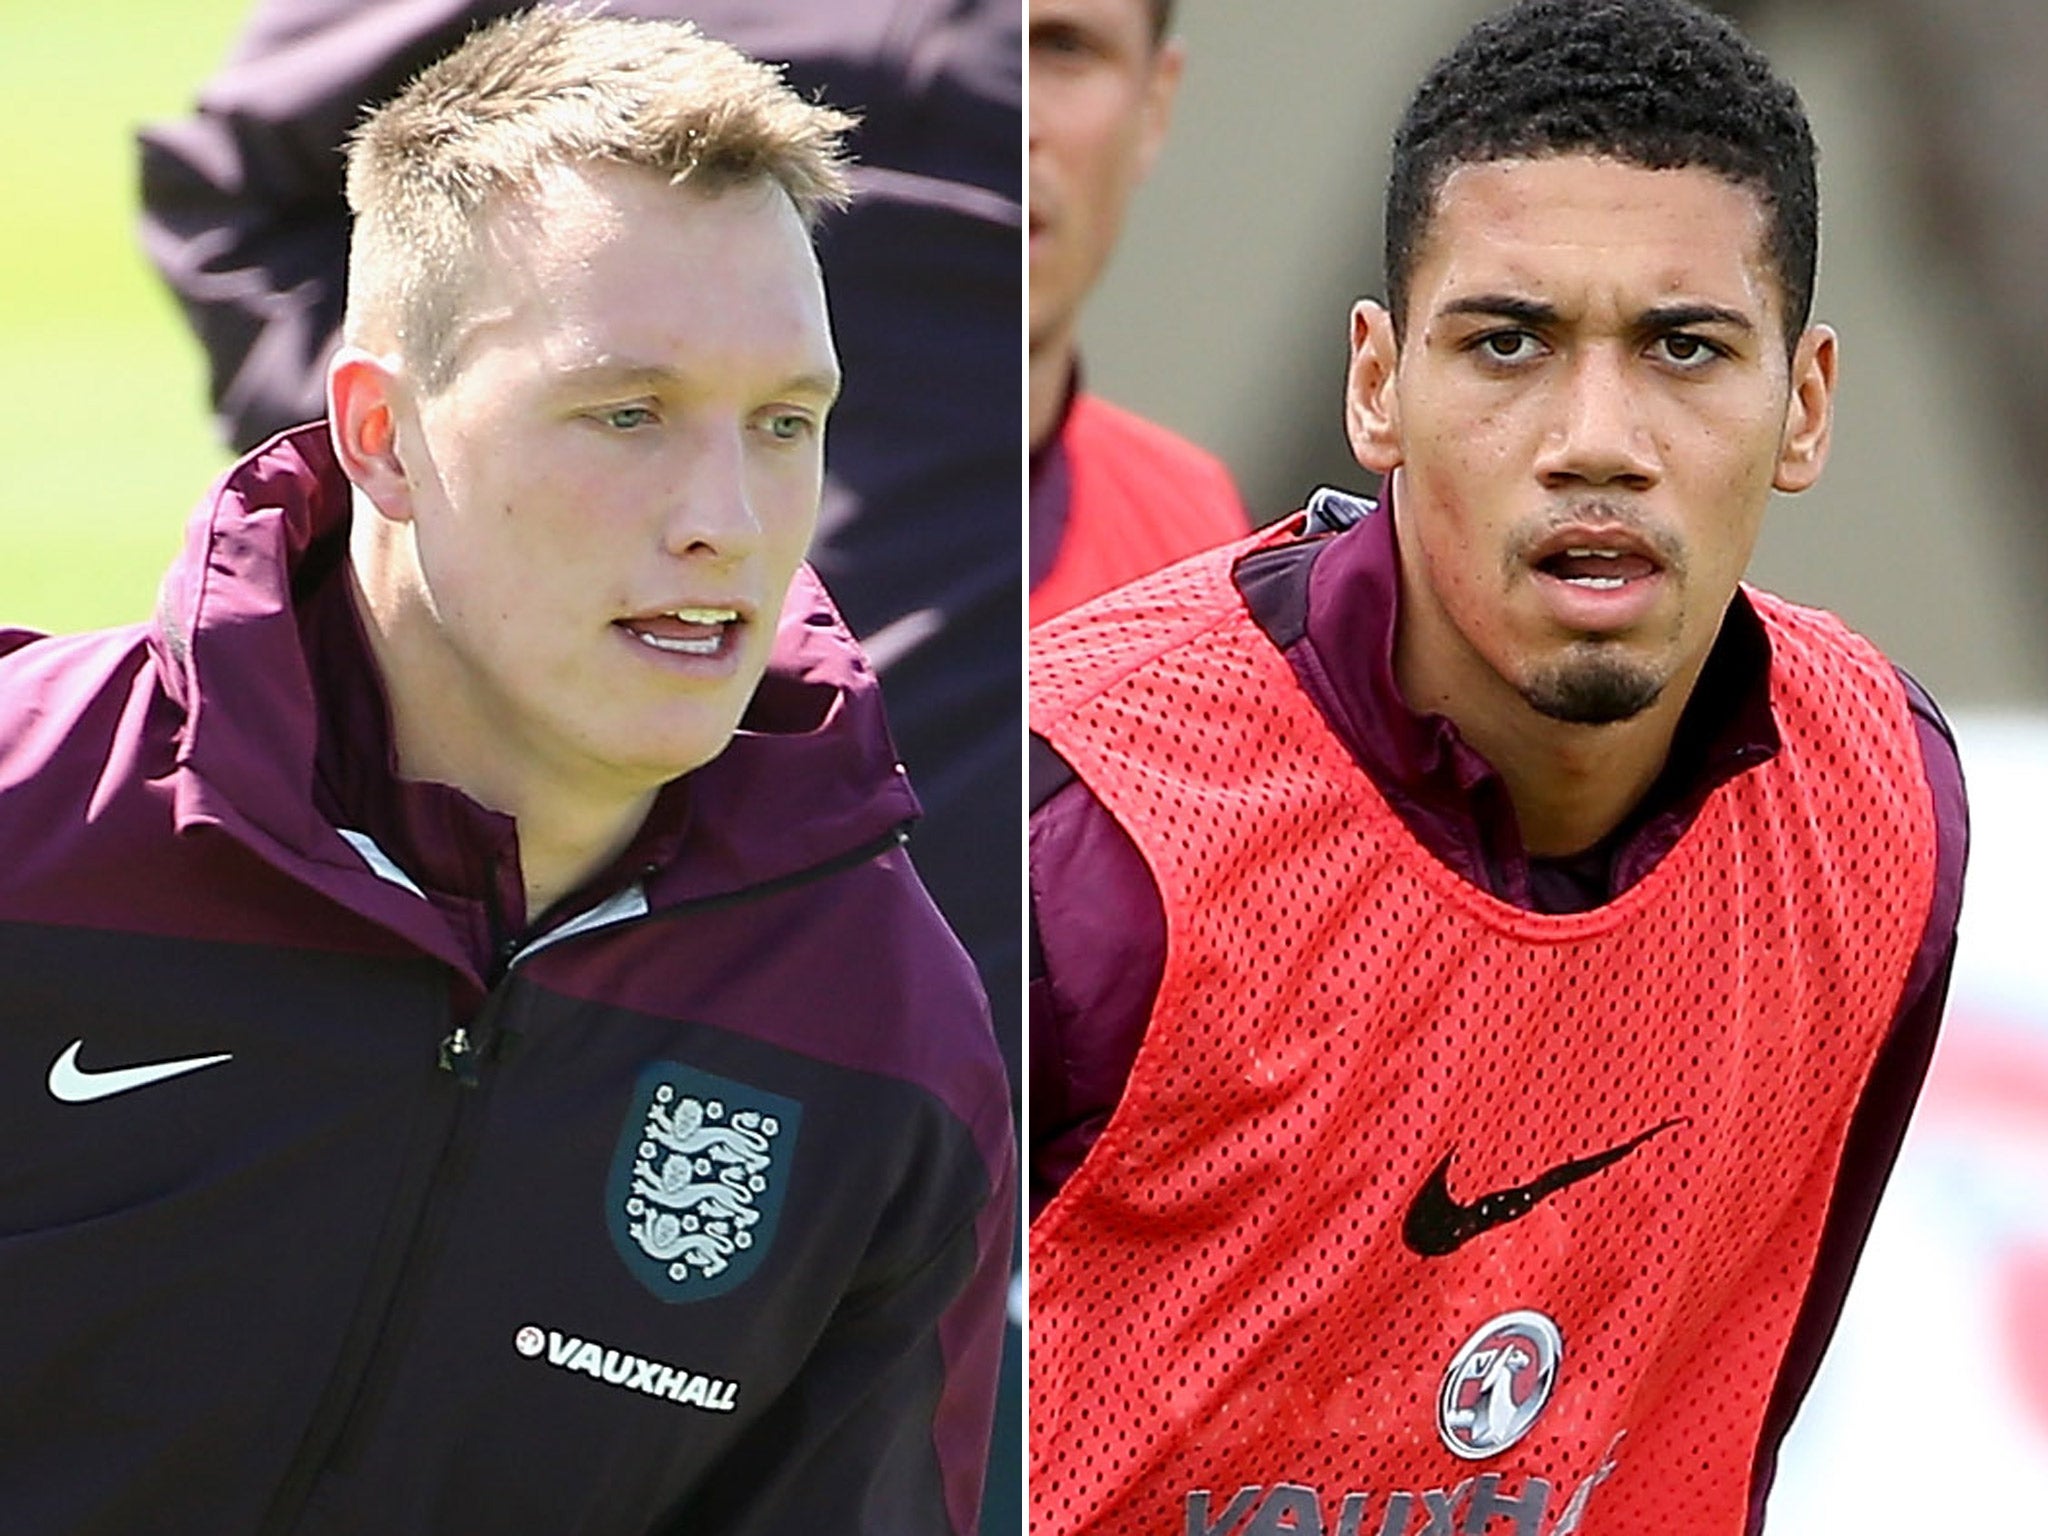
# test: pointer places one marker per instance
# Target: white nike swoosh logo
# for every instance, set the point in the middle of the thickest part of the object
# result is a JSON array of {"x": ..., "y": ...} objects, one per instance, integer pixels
[{"x": 74, "y": 1085}]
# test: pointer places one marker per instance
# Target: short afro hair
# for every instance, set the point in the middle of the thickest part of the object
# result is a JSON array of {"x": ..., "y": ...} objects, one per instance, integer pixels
[{"x": 1660, "y": 84}]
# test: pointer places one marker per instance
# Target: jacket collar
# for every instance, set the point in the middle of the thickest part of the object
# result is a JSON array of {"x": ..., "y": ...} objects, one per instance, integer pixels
[{"x": 812, "y": 776}]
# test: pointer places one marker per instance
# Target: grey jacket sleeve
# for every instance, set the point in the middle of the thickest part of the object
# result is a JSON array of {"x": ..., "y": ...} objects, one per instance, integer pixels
[{"x": 243, "y": 206}]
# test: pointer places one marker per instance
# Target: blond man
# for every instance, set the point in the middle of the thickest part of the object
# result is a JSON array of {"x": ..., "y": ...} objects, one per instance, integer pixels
[{"x": 483, "y": 1060}]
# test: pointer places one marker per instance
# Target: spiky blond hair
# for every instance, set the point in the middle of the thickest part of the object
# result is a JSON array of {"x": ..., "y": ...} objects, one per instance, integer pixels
[{"x": 543, "y": 90}]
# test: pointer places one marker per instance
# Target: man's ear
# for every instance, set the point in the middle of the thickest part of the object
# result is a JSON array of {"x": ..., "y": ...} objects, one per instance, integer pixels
[
  {"x": 1372, "y": 404},
  {"x": 1169, "y": 60},
  {"x": 1809, "y": 413},
  {"x": 364, "y": 391}
]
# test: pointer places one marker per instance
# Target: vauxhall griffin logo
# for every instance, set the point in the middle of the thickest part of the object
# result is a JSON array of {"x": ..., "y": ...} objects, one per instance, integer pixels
[
  {"x": 697, "y": 1182},
  {"x": 1498, "y": 1383}
]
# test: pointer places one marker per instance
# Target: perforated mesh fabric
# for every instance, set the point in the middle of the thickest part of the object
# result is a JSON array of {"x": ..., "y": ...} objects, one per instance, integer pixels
[
  {"x": 1138, "y": 498},
  {"x": 1221, "y": 1297}
]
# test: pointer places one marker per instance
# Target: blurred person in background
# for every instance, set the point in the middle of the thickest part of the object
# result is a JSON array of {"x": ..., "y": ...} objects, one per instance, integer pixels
[
  {"x": 1112, "y": 496},
  {"x": 1487, "y": 954},
  {"x": 917, "y": 536},
  {"x": 480, "y": 1056}
]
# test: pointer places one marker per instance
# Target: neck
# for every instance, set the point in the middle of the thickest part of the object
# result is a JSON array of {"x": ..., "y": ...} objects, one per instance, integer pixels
[
  {"x": 1052, "y": 372},
  {"x": 557, "y": 854},
  {"x": 1571, "y": 785},
  {"x": 570, "y": 825}
]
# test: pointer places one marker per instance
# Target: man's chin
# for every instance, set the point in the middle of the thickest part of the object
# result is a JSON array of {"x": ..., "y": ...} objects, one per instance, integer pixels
[
  {"x": 1593, "y": 687},
  {"x": 679, "y": 745}
]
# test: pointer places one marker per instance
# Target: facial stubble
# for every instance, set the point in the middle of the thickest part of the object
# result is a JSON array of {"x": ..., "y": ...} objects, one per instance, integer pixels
[
  {"x": 1593, "y": 684},
  {"x": 1596, "y": 681}
]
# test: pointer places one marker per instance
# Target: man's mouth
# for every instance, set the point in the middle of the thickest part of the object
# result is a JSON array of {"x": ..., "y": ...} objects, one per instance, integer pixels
[
  {"x": 1038, "y": 213},
  {"x": 1597, "y": 570},
  {"x": 684, "y": 631},
  {"x": 1597, "y": 575}
]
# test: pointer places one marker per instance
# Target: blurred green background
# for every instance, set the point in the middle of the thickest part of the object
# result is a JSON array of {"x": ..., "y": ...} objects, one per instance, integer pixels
[{"x": 104, "y": 432}]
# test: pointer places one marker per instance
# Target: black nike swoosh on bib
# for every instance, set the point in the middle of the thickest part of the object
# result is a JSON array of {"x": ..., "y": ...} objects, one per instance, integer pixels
[{"x": 1436, "y": 1224}]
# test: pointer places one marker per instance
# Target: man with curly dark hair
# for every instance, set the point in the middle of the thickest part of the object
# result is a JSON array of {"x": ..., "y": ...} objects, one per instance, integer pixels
[{"x": 1487, "y": 953}]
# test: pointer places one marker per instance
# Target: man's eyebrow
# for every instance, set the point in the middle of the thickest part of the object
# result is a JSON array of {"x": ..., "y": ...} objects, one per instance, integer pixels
[
  {"x": 824, "y": 384},
  {"x": 1067, "y": 30},
  {"x": 1503, "y": 306},
  {"x": 1657, "y": 319},
  {"x": 612, "y": 370},
  {"x": 1678, "y": 317},
  {"x": 821, "y": 382}
]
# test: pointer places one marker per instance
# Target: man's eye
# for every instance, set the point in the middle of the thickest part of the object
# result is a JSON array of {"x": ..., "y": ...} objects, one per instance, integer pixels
[
  {"x": 1506, "y": 346},
  {"x": 789, "y": 426},
  {"x": 1059, "y": 42},
  {"x": 1686, "y": 349},
  {"x": 627, "y": 418}
]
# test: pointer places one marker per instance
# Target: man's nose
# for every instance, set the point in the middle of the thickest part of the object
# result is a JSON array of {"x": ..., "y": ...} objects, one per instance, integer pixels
[
  {"x": 1599, "y": 433},
  {"x": 709, "y": 512}
]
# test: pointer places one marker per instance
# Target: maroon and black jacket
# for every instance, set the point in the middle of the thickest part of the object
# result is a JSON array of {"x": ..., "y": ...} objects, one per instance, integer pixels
[
  {"x": 244, "y": 215},
  {"x": 687, "y": 1213}
]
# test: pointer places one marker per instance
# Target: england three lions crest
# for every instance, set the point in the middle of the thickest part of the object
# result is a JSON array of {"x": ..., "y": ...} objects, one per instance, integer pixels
[{"x": 698, "y": 1180}]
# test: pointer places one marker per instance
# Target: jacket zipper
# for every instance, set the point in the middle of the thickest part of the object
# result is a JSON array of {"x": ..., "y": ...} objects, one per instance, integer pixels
[
  {"x": 368, "y": 1355},
  {"x": 368, "y": 1350},
  {"x": 459, "y": 1056}
]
